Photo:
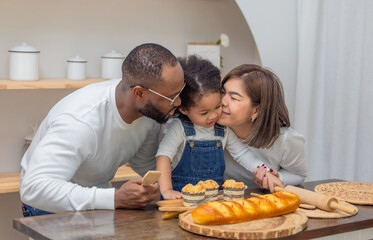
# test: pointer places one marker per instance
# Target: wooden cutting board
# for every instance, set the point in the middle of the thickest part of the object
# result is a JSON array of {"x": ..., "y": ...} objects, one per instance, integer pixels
[{"x": 275, "y": 227}]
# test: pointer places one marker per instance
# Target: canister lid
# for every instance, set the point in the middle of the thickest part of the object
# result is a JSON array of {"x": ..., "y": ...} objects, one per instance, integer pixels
[
  {"x": 113, "y": 54},
  {"x": 77, "y": 59},
  {"x": 29, "y": 138},
  {"x": 24, "y": 48}
]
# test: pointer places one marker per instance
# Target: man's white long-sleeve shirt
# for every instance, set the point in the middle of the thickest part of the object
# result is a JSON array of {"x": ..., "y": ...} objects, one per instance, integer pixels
[{"x": 78, "y": 149}]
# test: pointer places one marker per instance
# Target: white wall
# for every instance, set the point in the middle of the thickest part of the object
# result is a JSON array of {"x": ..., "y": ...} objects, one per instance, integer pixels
[
  {"x": 274, "y": 27},
  {"x": 62, "y": 29},
  {"x": 10, "y": 209}
]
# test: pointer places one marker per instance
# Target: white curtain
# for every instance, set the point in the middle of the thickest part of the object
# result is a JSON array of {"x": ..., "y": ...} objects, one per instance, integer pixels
[{"x": 334, "y": 98}]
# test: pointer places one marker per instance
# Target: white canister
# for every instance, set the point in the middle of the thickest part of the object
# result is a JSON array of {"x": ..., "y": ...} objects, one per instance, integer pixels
[
  {"x": 28, "y": 138},
  {"x": 24, "y": 63},
  {"x": 76, "y": 68},
  {"x": 111, "y": 65}
]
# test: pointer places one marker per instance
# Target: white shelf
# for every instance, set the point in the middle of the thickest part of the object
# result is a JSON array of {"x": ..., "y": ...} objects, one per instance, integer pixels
[
  {"x": 9, "y": 182},
  {"x": 56, "y": 83}
]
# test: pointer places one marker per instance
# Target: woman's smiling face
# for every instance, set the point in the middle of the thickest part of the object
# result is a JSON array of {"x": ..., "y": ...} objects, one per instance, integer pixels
[{"x": 236, "y": 104}]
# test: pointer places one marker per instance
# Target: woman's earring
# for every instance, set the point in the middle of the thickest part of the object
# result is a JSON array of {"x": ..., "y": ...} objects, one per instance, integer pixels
[{"x": 253, "y": 119}]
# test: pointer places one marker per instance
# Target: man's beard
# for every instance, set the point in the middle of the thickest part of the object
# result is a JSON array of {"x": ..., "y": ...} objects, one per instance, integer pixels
[{"x": 152, "y": 112}]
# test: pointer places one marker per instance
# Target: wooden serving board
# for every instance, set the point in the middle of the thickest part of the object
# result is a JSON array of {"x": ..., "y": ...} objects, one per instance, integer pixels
[{"x": 275, "y": 227}]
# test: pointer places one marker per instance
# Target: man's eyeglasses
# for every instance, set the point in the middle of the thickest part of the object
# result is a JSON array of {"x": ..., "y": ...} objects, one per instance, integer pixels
[{"x": 161, "y": 95}]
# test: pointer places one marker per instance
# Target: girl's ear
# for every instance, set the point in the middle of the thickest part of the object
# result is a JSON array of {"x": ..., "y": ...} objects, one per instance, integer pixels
[{"x": 183, "y": 110}]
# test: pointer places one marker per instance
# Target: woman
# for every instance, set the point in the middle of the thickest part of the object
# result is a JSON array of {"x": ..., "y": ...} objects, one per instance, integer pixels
[{"x": 254, "y": 107}]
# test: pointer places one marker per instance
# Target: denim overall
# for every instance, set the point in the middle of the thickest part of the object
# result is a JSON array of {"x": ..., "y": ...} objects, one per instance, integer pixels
[
  {"x": 201, "y": 160},
  {"x": 29, "y": 211}
]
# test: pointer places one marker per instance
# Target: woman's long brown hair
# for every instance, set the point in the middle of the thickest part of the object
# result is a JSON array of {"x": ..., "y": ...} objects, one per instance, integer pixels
[{"x": 264, "y": 89}]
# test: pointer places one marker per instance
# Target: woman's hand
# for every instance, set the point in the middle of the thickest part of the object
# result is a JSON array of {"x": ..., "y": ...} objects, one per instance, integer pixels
[
  {"x": 267, "y": 179},
  {"x": 260, "y": 172},
  {"x": 270, "y": 181},
  {"x": 172, "y": 194}
]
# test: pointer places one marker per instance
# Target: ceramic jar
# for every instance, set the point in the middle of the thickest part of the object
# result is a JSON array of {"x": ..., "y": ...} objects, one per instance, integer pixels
[
  {"x": 29, "y": 138},
  {"x": 76, "y": 68},
  {"x": 111, "y": 65},
  {"x": 24, "y": 63}
]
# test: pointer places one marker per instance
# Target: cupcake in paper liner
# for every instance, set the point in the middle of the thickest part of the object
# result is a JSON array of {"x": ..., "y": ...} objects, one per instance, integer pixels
[
  {"x": 192, "y": 194},
  {"x": 233, "y": 190},
  {"x": 211, "y": 187}
]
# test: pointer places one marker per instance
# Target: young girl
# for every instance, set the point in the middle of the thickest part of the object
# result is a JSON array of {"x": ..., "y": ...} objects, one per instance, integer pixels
[{"x": 192, "y": 147}]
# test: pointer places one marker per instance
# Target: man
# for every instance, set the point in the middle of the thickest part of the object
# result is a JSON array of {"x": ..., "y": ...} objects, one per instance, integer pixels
[{"x": 93, "y": 131}]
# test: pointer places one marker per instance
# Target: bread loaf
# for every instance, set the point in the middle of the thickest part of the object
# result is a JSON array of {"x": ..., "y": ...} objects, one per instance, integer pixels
[{"x": 269, "y": 205}]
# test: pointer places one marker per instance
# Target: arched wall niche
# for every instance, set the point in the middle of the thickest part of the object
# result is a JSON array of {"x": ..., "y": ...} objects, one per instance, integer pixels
[{"x": 274, "y": 28}]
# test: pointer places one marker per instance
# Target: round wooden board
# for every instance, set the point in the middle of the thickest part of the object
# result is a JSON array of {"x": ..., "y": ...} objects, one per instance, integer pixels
[
  {"x": 275, "y": 227},
  {"x": 352, "y": 192},
  {"x": 318, "y": 213}
]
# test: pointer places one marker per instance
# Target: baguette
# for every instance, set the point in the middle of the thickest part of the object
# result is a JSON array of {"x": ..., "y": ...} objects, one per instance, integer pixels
[{"x": 265, "y": 206}]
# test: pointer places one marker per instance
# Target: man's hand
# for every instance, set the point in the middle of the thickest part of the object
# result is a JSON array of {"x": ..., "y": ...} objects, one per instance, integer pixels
[
  {"x": 131, "y": 195},
  {"x": 172, "y": 194}
]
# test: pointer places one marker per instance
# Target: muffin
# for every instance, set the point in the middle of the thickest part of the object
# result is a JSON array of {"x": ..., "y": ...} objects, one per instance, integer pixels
[
  {"x": 211, "y": 187},
  {"x": 233, "y": 190},
  {"x": 192, "y": 194}
]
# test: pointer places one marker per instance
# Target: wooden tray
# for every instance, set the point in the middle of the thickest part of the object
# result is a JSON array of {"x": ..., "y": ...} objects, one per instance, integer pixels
[
  {"x": 275, "y": 227},
  {"x": 318, "y": 213},
  {"x": 352, "y": 192}
]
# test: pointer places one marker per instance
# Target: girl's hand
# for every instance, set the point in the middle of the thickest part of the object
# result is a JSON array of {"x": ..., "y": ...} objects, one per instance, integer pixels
[{"x": 172, "y": 194}]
